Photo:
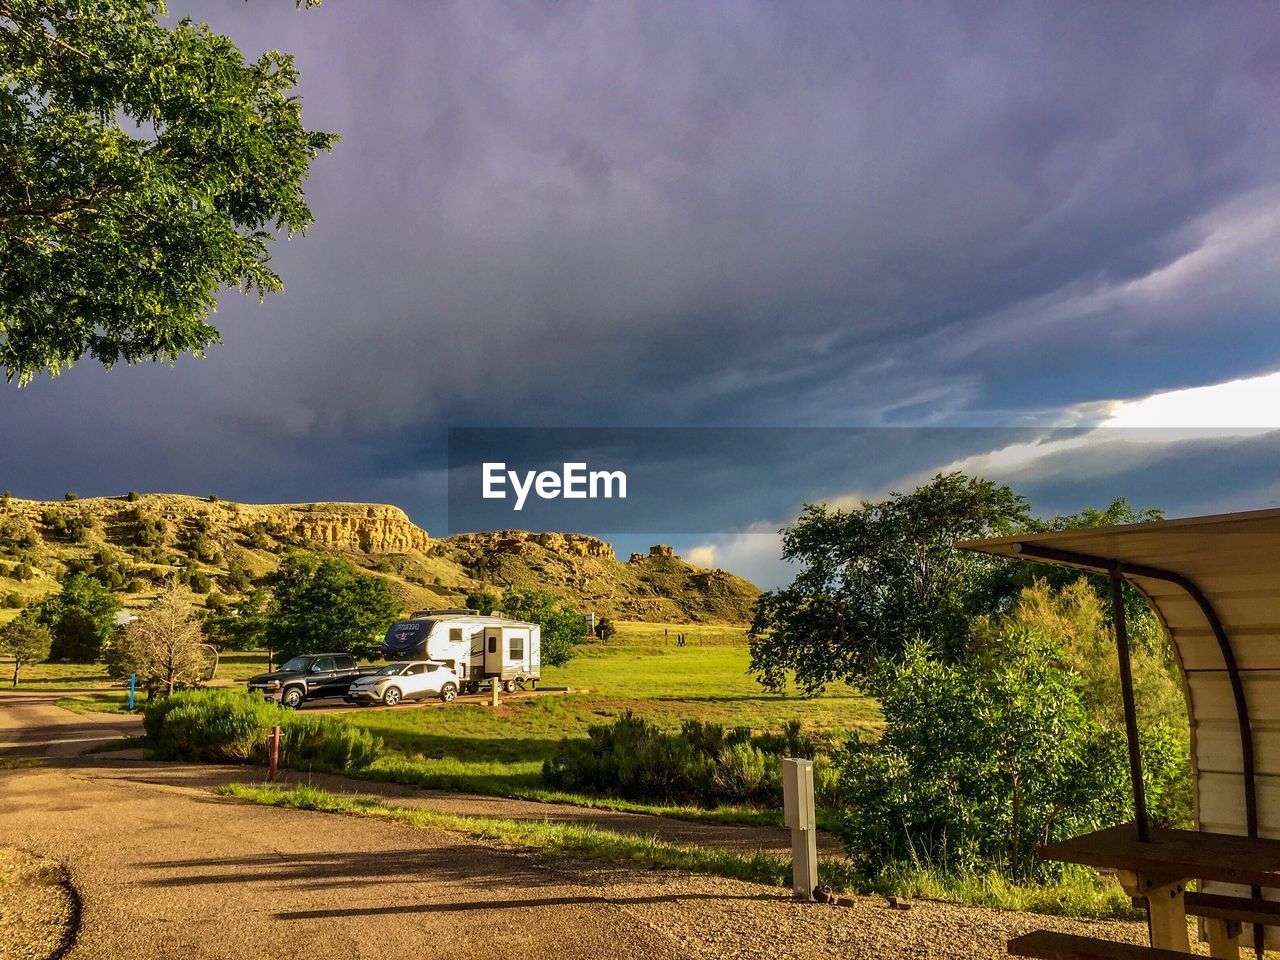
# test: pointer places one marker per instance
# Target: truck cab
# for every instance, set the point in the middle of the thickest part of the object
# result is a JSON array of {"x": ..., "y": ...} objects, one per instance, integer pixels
[{"x": 311, "y": 676}]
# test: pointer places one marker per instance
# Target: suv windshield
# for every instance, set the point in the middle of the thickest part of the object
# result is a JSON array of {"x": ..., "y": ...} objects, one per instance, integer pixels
[
  {"x": 297, "y": 664},
  {"x": 391, "y": 669}
]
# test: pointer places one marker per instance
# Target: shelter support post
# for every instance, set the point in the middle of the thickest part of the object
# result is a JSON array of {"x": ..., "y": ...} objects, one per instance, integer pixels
[
  {"x": 799, "y": 814},
  {"x": 1223, "y": 937},
  {"x": 1130, "y": 708},
  {"x": 1166, "y": 909}
]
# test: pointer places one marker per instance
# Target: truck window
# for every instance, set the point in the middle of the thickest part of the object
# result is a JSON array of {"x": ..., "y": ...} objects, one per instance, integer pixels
[
  {"x": 515, "y": 648},
  {"x": 325, "y": 664},
  {"x": 346, "y": 663}
]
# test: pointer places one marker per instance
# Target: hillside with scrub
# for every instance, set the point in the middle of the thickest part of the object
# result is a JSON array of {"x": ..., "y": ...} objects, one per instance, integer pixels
[{"x": 222, "y": 549}]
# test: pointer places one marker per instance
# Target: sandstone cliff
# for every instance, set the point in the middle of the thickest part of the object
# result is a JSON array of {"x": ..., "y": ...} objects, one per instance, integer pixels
[{"x": 132, "y": 542}]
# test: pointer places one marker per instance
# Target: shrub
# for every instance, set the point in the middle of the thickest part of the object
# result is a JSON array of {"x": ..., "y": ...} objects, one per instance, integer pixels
[
  {"x": 23, "y": 571},
  {"x": 70, "y": 495},
  {"x": 132, "y": 496},
  {"x": 703, "y": 763},
  {"x": 982, "y": 760},
  {"x": 230, "y": 726}
]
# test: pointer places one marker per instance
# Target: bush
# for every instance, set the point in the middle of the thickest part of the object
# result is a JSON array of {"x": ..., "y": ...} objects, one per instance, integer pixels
[
  {"x": 701, "y": 764},
  {"x": 230, "y": 726},
  {"x": 982, "y": 760}
]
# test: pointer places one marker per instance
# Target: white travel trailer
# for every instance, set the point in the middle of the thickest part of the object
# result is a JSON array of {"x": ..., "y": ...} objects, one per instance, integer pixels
[{"x": 478, "y": 647}]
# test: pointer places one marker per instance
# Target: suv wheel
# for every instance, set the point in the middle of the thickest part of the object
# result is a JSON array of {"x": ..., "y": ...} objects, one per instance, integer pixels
[
  {"x": 448, "y": 692},
  {"x": 292, "y": 698},
  {"x": 392, "y": 696}
]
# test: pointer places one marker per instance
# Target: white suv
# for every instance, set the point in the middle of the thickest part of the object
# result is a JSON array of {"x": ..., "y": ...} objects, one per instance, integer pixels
[{"x": 408, "y": 680}]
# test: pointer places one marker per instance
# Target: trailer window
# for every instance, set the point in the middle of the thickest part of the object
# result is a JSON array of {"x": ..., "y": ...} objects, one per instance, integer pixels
[
  {"x": 515, "y": 648},
  {"x": 455, "y": 634},
  {"x": 493, "y": 644}
]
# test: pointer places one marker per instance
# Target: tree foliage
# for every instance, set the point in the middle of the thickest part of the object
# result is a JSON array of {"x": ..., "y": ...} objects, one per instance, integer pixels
[
  {"x": 876, "y": 577},
  {"x": 985, "y": 758},
  {"x": 324, "y": 603},
  {"x": 238, "y": 626},
  {"x": 562, "y": 627},
  {"x": 26, "y": 640},
  {"x": 81, "y": 618},
  {"x": 144, "y": 167}
]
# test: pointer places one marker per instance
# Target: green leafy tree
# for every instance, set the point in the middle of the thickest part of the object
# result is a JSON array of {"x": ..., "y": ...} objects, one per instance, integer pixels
[
  {"x": 26, "y": 640},
  {"x": 983, "y": 759},
  {"x": 239, "y": 626},
  {"x": 81, "y": 617},
  {"x": 876, "y": 577},
  {"x": 485, "y": 601},
  {"x": 607, "y": 629},
  {"x": 144, "y": 167},
  {"x": 562, "y": 627},
  {"x": 324, "y": 603}
]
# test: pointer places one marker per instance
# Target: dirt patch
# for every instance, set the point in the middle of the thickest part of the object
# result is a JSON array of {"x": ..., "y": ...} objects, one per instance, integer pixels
[{"x": 39, "y": 909}]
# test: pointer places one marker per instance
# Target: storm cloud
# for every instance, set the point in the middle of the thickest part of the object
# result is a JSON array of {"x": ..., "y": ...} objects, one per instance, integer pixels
[{"x": 692, "y": 214}]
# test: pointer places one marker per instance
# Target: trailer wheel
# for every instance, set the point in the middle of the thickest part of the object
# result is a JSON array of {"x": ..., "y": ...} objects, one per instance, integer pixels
[
  {"x": 508, "y": 686},
  {"x": 392, "y": 696},
  {"x": 472, "y": 686},
  {"x": 448, "y": 692}
]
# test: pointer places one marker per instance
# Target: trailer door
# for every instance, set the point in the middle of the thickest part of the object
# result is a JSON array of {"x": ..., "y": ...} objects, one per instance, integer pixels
[{"x": 493, "y": 651}]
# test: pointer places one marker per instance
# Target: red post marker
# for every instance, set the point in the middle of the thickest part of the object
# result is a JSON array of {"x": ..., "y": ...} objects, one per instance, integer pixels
[{"x": 274, "y": 769}]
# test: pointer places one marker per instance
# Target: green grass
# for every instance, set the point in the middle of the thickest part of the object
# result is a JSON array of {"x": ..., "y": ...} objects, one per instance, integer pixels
[
  {"x": 54, "y": 677},
  {"x": 239, "y": 667},
  {"x": 18, "y": 763},
  {"x": 100, "y": 703},
  {"x": 554, "y": 839},
  {"x": 1080, "y": 894},
  {"x": 469, "y": 746}
]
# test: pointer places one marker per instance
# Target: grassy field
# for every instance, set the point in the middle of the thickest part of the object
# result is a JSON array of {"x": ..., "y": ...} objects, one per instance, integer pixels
[{"x": 471, "y": 747}]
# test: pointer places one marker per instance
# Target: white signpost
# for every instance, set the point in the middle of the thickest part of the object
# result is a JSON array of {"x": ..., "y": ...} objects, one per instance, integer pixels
[{"x": 798, "y": 814}]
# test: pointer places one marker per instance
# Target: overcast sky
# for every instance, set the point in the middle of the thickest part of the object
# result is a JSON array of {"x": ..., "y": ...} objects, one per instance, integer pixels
[{"x": 713, "y": 214}]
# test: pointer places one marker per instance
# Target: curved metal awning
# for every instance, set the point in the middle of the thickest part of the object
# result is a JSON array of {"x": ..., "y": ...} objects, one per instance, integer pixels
[{"x": 1214, "y": 582}]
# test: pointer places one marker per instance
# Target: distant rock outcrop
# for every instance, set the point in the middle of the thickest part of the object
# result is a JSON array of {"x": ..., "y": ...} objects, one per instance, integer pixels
[{"x": 135, "y": 542}]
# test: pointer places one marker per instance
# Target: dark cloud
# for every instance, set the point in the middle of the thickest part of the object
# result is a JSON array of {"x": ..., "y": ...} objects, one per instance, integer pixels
[{"x": 715, "y": 213}]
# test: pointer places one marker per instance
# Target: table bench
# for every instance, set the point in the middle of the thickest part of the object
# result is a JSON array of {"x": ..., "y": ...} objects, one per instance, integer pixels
[{"x": 1049, "y": 945}]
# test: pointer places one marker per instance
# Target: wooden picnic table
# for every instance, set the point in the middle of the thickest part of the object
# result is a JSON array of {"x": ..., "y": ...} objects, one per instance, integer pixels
[{"x": 1159, "y": 869}]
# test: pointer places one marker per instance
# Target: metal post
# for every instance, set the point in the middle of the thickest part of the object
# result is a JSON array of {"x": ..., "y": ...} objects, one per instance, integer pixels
[
  {"x": 133, "y": 686},
  {"x": 274, "y": 770},
  {"x": 798, "y": 814},
  {"x": 1130, "y": 710}
]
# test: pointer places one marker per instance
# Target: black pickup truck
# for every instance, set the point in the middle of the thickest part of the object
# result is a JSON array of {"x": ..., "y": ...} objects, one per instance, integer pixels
[{"x": 309, "y": 677}]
